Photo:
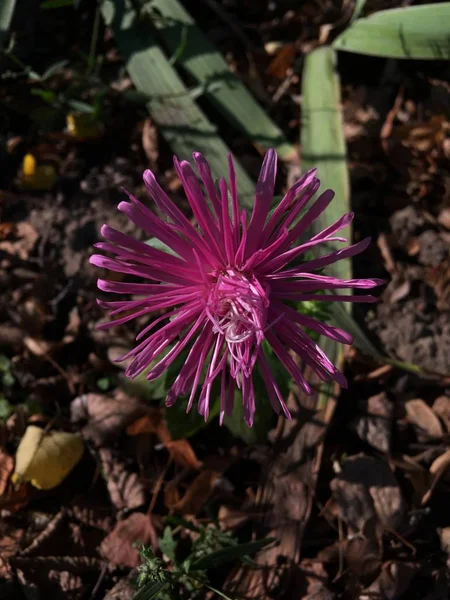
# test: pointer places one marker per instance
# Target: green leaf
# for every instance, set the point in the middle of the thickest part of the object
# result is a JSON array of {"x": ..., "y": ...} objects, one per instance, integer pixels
[
  {"x": 236, "y": 425},
  {"x": 103, "y": 383},
  {"x": 181, "y": 122},
  {"x": 228, "y": 554},
  {"x": 358, "y": 9},
  {"x": 206, "y": 65},
  {"x": 419, "y": 32},
  {"x": 167, "y": 544},
  {"x": 149, "y": 591},
  {"x": 185, "y": 425},
  {"x": 159, "y": 245},
  {"x": 6, "y": 14},
  {"x": 55, "y": 68},
  {"x": 5, "y": 408},
  {"x": 322, "y": 139},
  {"x": 81, "y": 107},
  {"x": 48, "y": 96},
  {"x": 323, "y": 146}
]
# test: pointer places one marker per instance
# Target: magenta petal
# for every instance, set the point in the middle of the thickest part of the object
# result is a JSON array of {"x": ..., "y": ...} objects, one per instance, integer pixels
[{"x": 218, "y": 294}]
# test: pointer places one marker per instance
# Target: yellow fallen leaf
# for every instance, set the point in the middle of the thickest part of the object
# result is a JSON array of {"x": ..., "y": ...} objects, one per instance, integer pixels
[
  {"x": 45, "y": 459},
  {"x": 36, "y": 177},
  {"x": 83, "y": 127}
]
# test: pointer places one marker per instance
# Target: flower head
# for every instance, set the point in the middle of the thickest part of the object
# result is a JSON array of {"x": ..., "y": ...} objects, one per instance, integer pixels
[{"x": 227, "y": 284}]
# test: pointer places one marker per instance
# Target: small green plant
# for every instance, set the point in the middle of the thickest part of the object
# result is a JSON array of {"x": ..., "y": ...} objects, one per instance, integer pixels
[{"x": 176, "y": 578}]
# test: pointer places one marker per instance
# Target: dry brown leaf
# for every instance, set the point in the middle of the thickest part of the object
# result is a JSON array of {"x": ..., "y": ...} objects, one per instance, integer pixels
[
  {"x": 315, "y": 577},
  {"x": 152, "y": 422},
  {"x": 39, "y": 346},
  {"x": 106, "y": 416},
  {"x": 231, "y": 518},
  {"x": 374, "y": 426},
  {"x": 182, "y": 453},
  {"x": 6, "y": 468},
  {"x": 441, "y": 407},
  {"x": 119, "y": 546},
  {"x": 198, "y": 493},
  {"x": 25, "y": 239},
  {"x": 68, "y": 582},
  {"x": 171, "y": 495},
  {"x": 444, "y": 536},
  {"x": 365, "y": 490},
  {"x": 421, "y": 416},
  {"x": 150, "y": 143},
  {"x": 282, "y": 62},
  {"x": 363, "y": 556},
  {"x": 15, "y": 498},
  {"x": 123, "y": 590},
  {"x": 124, "y": 487},
  {"x": 393, "y": 581},
  {"x": 440, "y": 464}
]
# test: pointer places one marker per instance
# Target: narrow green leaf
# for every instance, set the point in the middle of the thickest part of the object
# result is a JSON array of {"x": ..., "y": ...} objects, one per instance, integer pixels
[
  {"x": 202, "y": 60},
  {"x": 178, "y": 117},
  {"x": 323, "y": 143},
  {"x": 149, "y": 591},
  {"x": 185, "y": 425},
  {"x": 167, "y": 544},
  {"x": 323, "y": 147},
  {"x": 420, "y": 32},
  {"x": 6, "y": 14},
  {"x": 357, "y": 10},
  {"x": 225, "y": 555}
]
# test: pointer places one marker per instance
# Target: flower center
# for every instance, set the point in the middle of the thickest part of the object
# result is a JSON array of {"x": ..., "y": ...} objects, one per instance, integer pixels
[{"x": 237, "y": 307}]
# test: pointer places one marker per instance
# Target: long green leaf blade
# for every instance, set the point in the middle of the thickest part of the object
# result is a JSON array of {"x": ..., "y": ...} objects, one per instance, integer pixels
[
  {"x": 322, "y": 139},
  {"x": 420, "y": 32},
  {"x": 149, "y": 591},
  {"x": 323, "y": 146},
  {"x": 178, "y": 117},
  {"x": 230, "y": 553},
  {"x": 6, "y": 14},
  {"x": 201, "y": 59}
]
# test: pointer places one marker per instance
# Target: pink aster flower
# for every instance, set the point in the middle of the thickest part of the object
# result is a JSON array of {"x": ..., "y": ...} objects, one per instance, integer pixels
[{"x": 223, "y": 285}]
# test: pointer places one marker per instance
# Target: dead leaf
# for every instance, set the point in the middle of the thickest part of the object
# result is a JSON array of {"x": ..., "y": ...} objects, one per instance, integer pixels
[
  {"x": 6, "y": 468},
  {"x": 444, "y": 218},
  {"x": 421, "y": 416},
  {"x": 363, "y": 556},
  {"x": 444, "y": 536},
  {"x": 393, "y": 581},
  {"x": 171, "y": 495},
  {"x": 15, "y": 498},
  {"x": 123, "y": 590},
  {"x": 182, "y": 453},
  {"x": 39, "y": 346},
  {"x": 150, "y": 143},
  {"x": 145, "y": 424},
  {"x": 283, "y": 60},
  {"x": 106, "y": 416},
  {"x": 441, "y": 407},
  {"x": 68, "y": 582},
  {"x": 23, "y": 243},
  {"x": 198, "y": 493},
  {"x": 316, "y": 578},
  {"x": 365, "y": 490},
  {"x": 374, "y": 426},
  {"x": 124, "y": 487},
  {"x": 45, "y": 458},
  {"x": 119, "y": 546}
]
